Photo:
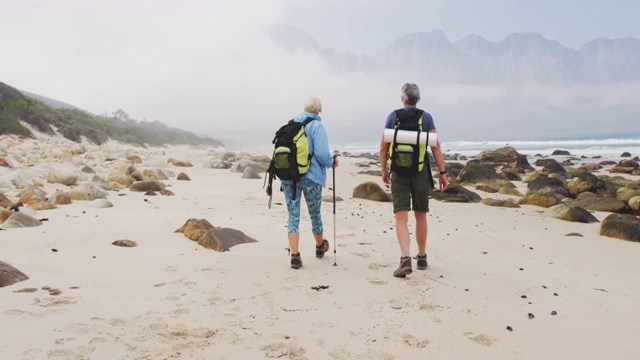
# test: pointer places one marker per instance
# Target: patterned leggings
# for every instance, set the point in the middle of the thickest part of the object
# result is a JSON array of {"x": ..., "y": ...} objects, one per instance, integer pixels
[{"x": 312, "y": 195}]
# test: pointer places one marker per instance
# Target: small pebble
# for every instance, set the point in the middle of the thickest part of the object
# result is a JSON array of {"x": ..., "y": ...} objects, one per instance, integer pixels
[
  {"x": 54, "y": 250},
  {"x": 509, "y": 328},
  {"x": 524, "y": 296},
  {"x": 554, "y": 312},
  {"x": 531, "y": 316}
]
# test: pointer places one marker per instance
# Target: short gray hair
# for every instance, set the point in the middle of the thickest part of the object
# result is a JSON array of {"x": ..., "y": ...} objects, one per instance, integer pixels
[
  {"x": 410, "y": 94},
  {"x": 313, "y": 105}
]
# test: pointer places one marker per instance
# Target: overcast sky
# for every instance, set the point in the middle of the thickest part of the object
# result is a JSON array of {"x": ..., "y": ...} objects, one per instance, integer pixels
[{"x": 205, "y": 65}]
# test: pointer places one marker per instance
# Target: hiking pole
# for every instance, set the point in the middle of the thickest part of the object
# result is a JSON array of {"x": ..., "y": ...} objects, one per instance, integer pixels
[{"x": 334, "y": 211}]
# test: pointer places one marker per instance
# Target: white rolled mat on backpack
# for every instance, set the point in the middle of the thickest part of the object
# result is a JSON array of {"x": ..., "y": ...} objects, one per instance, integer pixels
[{"x": 410, "y": 137}]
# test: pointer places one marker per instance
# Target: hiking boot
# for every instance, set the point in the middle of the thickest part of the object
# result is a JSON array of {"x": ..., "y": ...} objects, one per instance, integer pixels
[
  {"x": 296, "y": 262},
  {"x": 405, "y": 267},
  {"x": 320, "y": 250},
  {"x": 422, "y": 262}
]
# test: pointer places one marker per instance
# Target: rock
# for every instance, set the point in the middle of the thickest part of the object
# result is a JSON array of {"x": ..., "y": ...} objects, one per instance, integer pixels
[
  {"x": 544, "y": 200},
  {"x": 146, "y": 185},
  {"x": 625, "y": 154},
  {"x": 551, "y": 166},
  {"x": 120, "y": 178},
  {"x": 585, "y": 182},
  {"x": 77, "y": 149},
  {"x": 506, "y": 190},
  {"x": 487, "y": 188},
  {"x": 505, "y": 155},
  {"x": 58, "y": 176},
  {"x": 20, "y": 220},
  {"x": 60, "y": 198},
  {"x": 166, "y": 192},
  {"x": 250, "y": 173},
  {"x": 561, "y": 152},
  {"x": 4, "y": 215},
  {"x": 87, "y": 170},
  {"x": 179, "y": 163},
  {"x": 370, "y": 191},
  {"x": 475, "y": 172},
  {"x": 135, "y": 159},
  {"x": 621, "y": 226},
  {"x": 599, "y": 204},
  {"x": 591, "y": 166},
  {"x": 10, "y": 275},
  {"x": 138, "y": 175},
  {"x": 5, "y": 163},
  {"x": 547, "y": 184},
  {"x": 43, "y": 205},
  {"x": 371, "y": 172},
  {"x": 455, "y": 193},
  {"x": 244, "y": 163},
  {"x": 183, "y": 176},
  {"x": 33, "y": 195},
  {"x": 329, "y": 198},
  {"x": 125, "y": 243},
  {"x": 500, "y": 203},
  {"x": 211, "y": 237},
  {"x": 569, "y": 212},
  {"x": 101, "y": 203},
  {"x": 217, "y": 164},
  {"x": 5, "y": 202},
  {"x": 87, "y": 191}
]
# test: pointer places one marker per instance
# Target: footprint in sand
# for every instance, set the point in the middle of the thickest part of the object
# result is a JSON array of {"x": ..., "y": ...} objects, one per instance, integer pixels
[
  {"x": 376, "y": 266},
  {"x": 399, "y": 304},
  {"x": 362, "y": 255},
  {"x": 481, "y": 339},
  {"x": 278, "y": 350},
  {"x": 377, "y": 281},
  {"x": 414, "y": 341},
  {"x": 50, "y": 302},
  {"x": 171, "y": 269}
]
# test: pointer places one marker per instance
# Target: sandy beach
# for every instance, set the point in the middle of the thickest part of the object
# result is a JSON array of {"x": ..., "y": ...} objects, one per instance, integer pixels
[{"x": 502, "y": 283}]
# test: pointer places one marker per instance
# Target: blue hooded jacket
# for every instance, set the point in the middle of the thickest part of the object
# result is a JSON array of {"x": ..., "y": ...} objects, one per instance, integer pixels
[{"x": 318, "y": 146}]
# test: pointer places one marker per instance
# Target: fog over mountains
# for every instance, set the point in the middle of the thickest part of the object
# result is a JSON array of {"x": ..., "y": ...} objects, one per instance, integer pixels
[{"x": 525, "y": 86}]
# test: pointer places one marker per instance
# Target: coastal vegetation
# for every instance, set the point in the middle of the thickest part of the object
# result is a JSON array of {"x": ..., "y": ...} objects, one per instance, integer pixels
[{"x": 16, "y": 110}]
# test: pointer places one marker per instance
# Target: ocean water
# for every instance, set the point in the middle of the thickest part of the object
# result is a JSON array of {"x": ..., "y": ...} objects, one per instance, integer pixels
[{"x": 589, "y": 147}]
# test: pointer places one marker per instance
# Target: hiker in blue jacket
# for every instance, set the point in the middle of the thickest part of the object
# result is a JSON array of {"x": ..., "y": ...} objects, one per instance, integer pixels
[{"x": 311, "y": 183}]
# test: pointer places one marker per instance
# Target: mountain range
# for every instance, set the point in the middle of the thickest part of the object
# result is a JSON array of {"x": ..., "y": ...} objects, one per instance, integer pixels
[{"x": 518, "y": 58}]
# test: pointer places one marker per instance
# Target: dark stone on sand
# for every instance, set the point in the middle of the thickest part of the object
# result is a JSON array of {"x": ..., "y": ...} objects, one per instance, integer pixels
[
  {"x": 621, "y": 226},
  {"x": 147, "y": 185},
  {"x": 600, "y": 204},
  {"x": 551, "y": 166},
  {"x": 455, "y": 193},
  {"x": 547, "y": 184},
  {"x": 625, "y": 154},
  {"x": 574, "y": 234},
  {"x": 10, "y": 275},
  {"x": 4, "y": 201},
  {"x": 561, "y": 152},
  {"x": 585, "y": 182},
  {"x": 500, "y": 203},
  {"x": 569, "y": 212},
  {"x": 370, "y": 191},
  {"x": 476, "y": 172},
  {"x": 125, "y": 243},
  {"x": 183, "y": 176},
  {"x": 211, "y": 237}
]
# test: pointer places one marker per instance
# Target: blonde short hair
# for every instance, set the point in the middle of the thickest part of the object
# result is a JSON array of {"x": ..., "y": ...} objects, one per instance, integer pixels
[{"x": 313, "y": 105}]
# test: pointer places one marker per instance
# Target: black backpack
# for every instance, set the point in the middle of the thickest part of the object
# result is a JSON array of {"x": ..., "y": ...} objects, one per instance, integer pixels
[
  {"x": 291, "y": 157},
  {"x": 406, "y": 159}
]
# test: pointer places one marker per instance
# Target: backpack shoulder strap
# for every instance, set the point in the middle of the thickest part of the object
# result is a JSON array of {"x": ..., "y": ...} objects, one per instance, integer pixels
[{"x": 307, "y": 121}]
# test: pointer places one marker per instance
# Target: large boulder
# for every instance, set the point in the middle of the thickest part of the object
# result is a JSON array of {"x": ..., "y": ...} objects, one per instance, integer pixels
[
  {"x": 5, "y": 202},
  {"x": 32, "y": 195},
  {"x": 370, "y": 191},
  {"x": 20, "y": 220},
  {"x": 547, "y": 184},
  {"x": 585, "y": 182},
  {"x": 544, "y": 200},
  {"x": 475, "y": 172},
  {"x": 621, "y": 226},
  {"x": 87, "y": 191},
  {"x": 505, "y": 155},
  {"x": 211, "y": 237},
  {"x": 10, "y": 275},
  {"x": 146, "y": 185},
  {"x": 569, "y": 212},
  {"x": 455, "y": 193},
  {"x": 500, "y": 202},
  {"x": 551, "y": 166},
  {"x": 600, "y": 204}
]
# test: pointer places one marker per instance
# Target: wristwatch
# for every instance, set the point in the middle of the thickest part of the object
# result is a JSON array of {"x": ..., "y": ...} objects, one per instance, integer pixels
[{"x": 443, "y": 172}]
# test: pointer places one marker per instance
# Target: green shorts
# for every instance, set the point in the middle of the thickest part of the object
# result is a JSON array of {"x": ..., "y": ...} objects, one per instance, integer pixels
[{"x": 412, "y": 190}]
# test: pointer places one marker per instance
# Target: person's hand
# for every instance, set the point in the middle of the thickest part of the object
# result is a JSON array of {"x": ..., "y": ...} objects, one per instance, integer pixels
[
  {"x": 443, "y": 182},
  {"x": 335, "y": 161},
  {"x": 385, "y": 176}
]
